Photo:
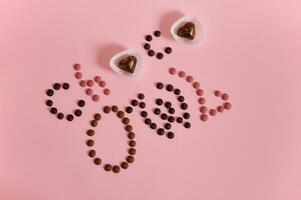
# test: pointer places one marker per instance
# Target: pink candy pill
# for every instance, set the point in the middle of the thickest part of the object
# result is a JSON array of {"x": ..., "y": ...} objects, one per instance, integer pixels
[
  {"x": 172, "y": 71},
  {"x": 78, "y": 75},
  {"x": 182, "y": 74},
  {"x": 90, "y": 83},
  {"x": 189, "y": 79},
  {"x": 97, "y": 79},
  {"x": 95, "y": 97},
  {"x": 76, "y": 67},
  {"x": 82, "y": 83},
  {"x": 89, "y": 91},
  {"x": 107, "y": 91},
  {"x": 102, "y": 83}
]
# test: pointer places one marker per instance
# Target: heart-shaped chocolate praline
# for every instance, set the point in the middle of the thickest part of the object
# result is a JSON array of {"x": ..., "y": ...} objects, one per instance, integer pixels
[
  {"x": 128, "y": 64},
  {"x": 187, "y": 31}
]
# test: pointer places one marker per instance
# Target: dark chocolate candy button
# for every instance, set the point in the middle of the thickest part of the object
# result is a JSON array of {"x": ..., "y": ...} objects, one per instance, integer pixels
[
  {"x": 179, "y": 120},
  {"x": 148, "y": 38},
  {"x": 130, "y": 159},
  {"x": 134, "y": 102},
  {"x": 81, "y": 103},
  {"x": 56, "y": 86},
  {"x": 187, "y": 31},
  {"x": 66, "y": 86},
  {"x": 92, "y": 153},
  {"x": 129, "y": 109},
  {"x": 151, "y": 53},
  {"x": 132, "y": 151},
  {"x": 131, "y": 135},
  {"x": 170, "y": 135},
  {"x": 167, "y": 104},
  {"x": 147, "y": 46},
  {"x": 184, "y": 106},
  {"x": 181, "y": 98},
  {"x": 128, "y": 64},
  {"x": 90, "y": 132},
  {"x": 97, "y": 116},
  {"x": 60, "y": 116},
  {"x": 53, "y": 110},
  {"x": 90, "y": 143},
  {"x": 160, "y": 55},
  {"x": 186, "y": 115},
  {"x": 143, "y": 114},
  {"x": 171, "y": 111},
  {"x": 159, "y": 85},
  {"x": 177, "y": 91},
  {"x": 142, "y": 105},
  {"x": 153, "y": 126},
  {"x": 167, "y": 126},
  {"x": 94, "y": 123},
  {"x": 106, "y": 109},
  {"x": 70, "y": 117},
  {"x": 125, "y": 120},
  {"x": 108, "y": 167},
  {"x": 169, "y": 87},
  {"x": 164, "y": 116},
  {"x": 187, "y": 125},
  {"x": 114, "y": 108},
  {"x": 160, "y": 131},
  {"x": 97, "y": 161},
  {"x": 159, "y": 102},
  {"x": 129, "y": 128},
  {"x": 168, "y": 50},
  {"x": 49, "y": 103},
  {"x": 124, "y": 165},
  {"x": 171, "y": 119},
  {"x": 50, "y": 92},
  {"x": 132, "y": 143},
  {"x": 77, "y": 112},
  {"x": 157, "y": 33},
  {"x": 148, "y": 121},
  {"x": 140, "y": 96},
  {"x": 116, "y": 169},
  {"x": 120, "y": 114},
  {"x": 157, "y": 111}
]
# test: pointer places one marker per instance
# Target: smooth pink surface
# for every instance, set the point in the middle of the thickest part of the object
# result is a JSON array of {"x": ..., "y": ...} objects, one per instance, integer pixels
[{"x": 252, "y": 51}]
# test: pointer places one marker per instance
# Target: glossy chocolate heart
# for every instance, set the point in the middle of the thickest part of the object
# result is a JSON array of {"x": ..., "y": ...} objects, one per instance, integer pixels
[
  {"x": 187, "y": 31},
  {"x": 128, "y": 64}
]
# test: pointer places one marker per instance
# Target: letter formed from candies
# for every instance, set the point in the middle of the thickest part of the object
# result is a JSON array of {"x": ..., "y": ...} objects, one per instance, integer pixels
[{"x": 168, "y": 117}]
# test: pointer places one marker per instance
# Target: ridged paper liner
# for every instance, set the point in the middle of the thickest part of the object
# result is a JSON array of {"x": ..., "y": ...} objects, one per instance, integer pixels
[
  {"x": 117, "y": 57},
  {"x": 180, "y": 22}
]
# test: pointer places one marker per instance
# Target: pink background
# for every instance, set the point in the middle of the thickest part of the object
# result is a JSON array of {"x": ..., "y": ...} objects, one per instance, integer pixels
[{"x": 252, "y": 50}]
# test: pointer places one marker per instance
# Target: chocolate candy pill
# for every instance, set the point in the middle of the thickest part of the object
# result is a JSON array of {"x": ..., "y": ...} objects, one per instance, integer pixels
[
  {"x": 49, "y": 103},
  {"x": 199, "y": 92},
  {"x": 159, "y": 85},
  {"x": 171, "y": 119},
  {"x": 171, "y": 111},
  {"x": 187, "y": 125},
  {"x": 97, "y": 116},
  {"x": 179, "y": 120},
  {"x": 159, "y": 102},
  {"x": 131, "y": 135},
  {"x": 186, "y": 115},
  {"x": 181, "y": 74},
  {"x": 114, "y": 108},
  {"x": 142, "y": 105},
  {"x": 151, "y": 53},
  {"x": 60, "y": 116},
  {"x": 95, "y": 97},
  {"x": 90, "y": 132},
  {"x": 164, "y": 116},
  {"x": 170, "y": 135},
  {"x": 107, "y": 91},
  {"x": 157, "y": 111},
  {"x": 56, "y": 86},
  {"x": 83, "y": 83},
  {"x": 169, "y": 87},
  {"x": 77, "y": 112},
  {"x": 106, "y": 109},
  {"x": 168, "y": 50},
  {"x": 108, "y": 167},
  {"x": 189, "y": 79},
  {"x": 97, "y": 161},
  {"x": 148, "y": 121},
  {"x": 93, "y": 123},
  {"x": 66, "y": 86},
  {"x": 129, "y": 109},
  {"x": 50, "y": 92},
  {"x": 140, "y": 96},
  {"x": 130, "y": 159},
  {"x": 53, "y": 110},
  {"x": 134, "y": 102},
  {"x": 124, "y": 165},
  {"x": 132, "y": 151},
  {"x": 89, "y": 91},
  {"x": 157, "y": 33},
  {"x": 120, "y": 114},
  {"x": 177, "y": 91},
  {"x": 116, "y": 169},
  {"x": 147, "y": 46},
  {"x": 159, "y": 55},
  {"x": 92, "y": 153},
  {"x": 143, "y": 114},
  {"x": 167, "y": 104},
  {"x": 132, "y": 143},
  {"x": 153, "y": 126},
  {"x": 97, "y": 79},
  {"x": 90, "y": 143},
  {"x": 160, "y": 131},
  {"x": 81, "y": 103},
  {"x": 125, "y": 121},
  {"x": 128, "y": 128},
  {"x": 148, "y": 38},
  {"x": 181, "y": 98},
  {"x": 167, "y": 126}
]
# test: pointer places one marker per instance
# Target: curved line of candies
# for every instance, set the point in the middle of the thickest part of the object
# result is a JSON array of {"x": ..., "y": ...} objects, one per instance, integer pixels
[{"x": 168, "y": 117}]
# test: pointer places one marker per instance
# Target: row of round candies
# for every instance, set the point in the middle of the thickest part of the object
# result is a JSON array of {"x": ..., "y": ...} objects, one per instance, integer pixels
[
  {"x": 90, "y": 83},
  {"x": 150, "y": 51},
  {"x": 130, "y": 134},
  {"x": 54, "y": 110},
  {"x": 201, "y": 100}
]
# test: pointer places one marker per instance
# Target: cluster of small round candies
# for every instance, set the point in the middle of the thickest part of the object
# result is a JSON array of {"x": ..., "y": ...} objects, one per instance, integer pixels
[
  {"x": 88, "y": 84},
  {"x": 201, "y": 100},
  {"x": 130, "y": 134},
  {"x": 170, "y": 109},
  {"x": 150, "y": 51},
  {"x": 53, "y": 110}
]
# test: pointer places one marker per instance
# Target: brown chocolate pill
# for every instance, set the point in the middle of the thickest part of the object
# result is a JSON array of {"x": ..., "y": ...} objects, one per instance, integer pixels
[
  {"x": 181, "y": 98},
  {"x": 177, "y": 91},
  {"x": 66, "y": 86},
  {"x": 153, "y": 126},
  {"x": 97, "y": 161},
  {"x": 81, "y": 103},
  {"x": 125, "y": 121},
  {"x": 169, "y": 87},
  {"x": 130, "y": 159},
  {"x": 92, "y": 153},
  {"x": 179, "y": 120},
  {"x": 129, "y": 128},
  {"x": 167, "y": 104},
  {"x": 129, "y": 109},
  {"x": 120, "y": 114},
  {"x": 77, "y": 113},
  {"x": 164, "y": 116},
  {"x": 143, "y": 114},
  {"x": 50, "y": 92},
  {"x": 171, "y": 119},
  {"x": 94, "y": 123},
  {"x": 157, "y": 111},
  {"x": 160, "y": 131},
  {"x": 142, "y": 105},
  {"x": 159, "y": 55},
  {"x": 168, "y": 50},
  {"x": 159, "y": 102},
  {"x": 167, "y": 126},
  {"x": 148, "y": 38},
  {"x": 148, "y": 121},
  {"x": 132, "y": 143},
  {"x": 134, "y": 102},
  {"x": 114, "y": 108},
  {"x": 124, "y": 165},
  {"x": 70, "y": 117},
  {"x": 97, "y": 116},
  {"x": 140, "y": 96},
  {"x": 157, "y": 33},
  {"x": 60, "y": 115},
  {"x": 171, "y": 111},
  {"x": 108, "y": 167},
  {"x": 184, "y": 106},
  {"x": 159, "y": 85},
  {"x": 186, "y": 115},
  {"x": 116, "y": 169},
  {"x": 106, "y": 109},
  {"x": 56, "y": 86},
  {"x": 151, "y": 53},
  {"x": 132, "y": 151},
  {"x": 90, "y": 143},
  {"x": 187, "y": 125},
  {"x": 90, "y": 132},
  {"x": 131, "y": 135},
  {"x": 147, "y": 46},
  {"x": 53, "y": 110},
  {"x": 170, "y": 135},
  {"x": 49, "y": 102}
]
